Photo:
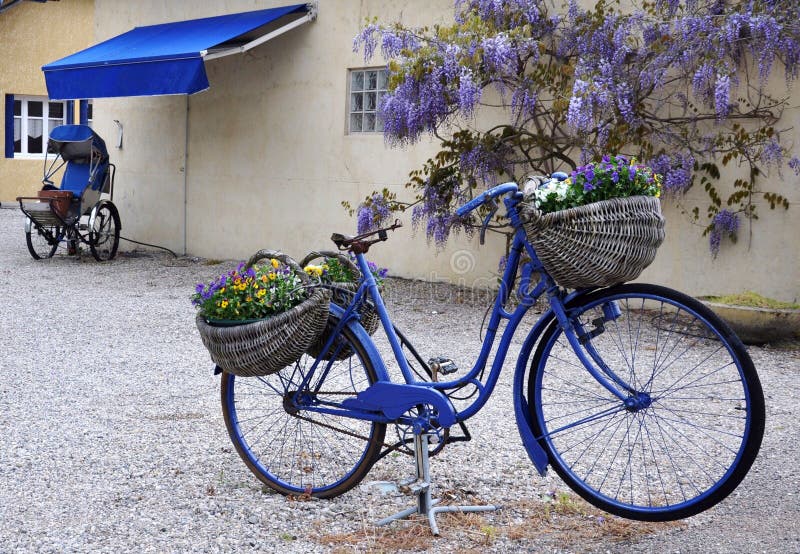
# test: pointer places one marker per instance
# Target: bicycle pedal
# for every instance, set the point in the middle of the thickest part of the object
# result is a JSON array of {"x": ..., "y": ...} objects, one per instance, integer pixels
[{"x": 445, "y": 366}]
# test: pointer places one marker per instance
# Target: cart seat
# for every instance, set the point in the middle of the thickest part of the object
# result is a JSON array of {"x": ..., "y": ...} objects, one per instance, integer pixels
[{"x": 76, "y": 178}]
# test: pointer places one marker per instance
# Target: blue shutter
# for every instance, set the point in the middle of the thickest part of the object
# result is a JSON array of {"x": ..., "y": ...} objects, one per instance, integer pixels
[
  {"x": 84, "y": 115},
  {"x": 9, "y": 126},
  {"x": 70, "y": 107}
]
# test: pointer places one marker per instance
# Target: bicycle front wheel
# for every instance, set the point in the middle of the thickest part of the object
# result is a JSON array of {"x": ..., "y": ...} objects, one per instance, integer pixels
[
  {"x": 693, "y": 417},
  {"x": 295, "y": 451}
]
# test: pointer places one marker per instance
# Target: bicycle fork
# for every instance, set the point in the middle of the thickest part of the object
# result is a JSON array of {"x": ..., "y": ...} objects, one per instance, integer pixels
[{"x": 580, "y": 339}]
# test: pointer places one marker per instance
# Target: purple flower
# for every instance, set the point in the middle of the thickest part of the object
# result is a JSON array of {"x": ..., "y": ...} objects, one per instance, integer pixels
[
  {"x": 772, "y": 154},
  {"x": 372, "y": 213},
  {"x": 724, "y": 222},
  {"x": 722, "y": 92}
]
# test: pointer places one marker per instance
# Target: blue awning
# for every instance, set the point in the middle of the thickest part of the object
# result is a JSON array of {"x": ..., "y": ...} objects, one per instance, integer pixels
[{"x": 167, "y": 58}]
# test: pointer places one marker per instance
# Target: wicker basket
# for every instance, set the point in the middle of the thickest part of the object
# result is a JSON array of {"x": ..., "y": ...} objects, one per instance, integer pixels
[
  {"x": 342, "y": 295},
  {"x": 597, "y": 245},
  {"x": 269, "y": 345}
]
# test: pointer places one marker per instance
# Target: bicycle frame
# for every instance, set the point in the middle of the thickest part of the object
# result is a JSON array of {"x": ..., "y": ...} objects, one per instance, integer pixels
[{"x": 385, "y": 401}]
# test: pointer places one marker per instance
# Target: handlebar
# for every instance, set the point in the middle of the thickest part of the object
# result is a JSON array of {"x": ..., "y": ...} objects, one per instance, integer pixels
[{"x": 484, "y": 197}]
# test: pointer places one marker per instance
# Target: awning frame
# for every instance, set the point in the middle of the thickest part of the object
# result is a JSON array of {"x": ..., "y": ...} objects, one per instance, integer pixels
[{"x": 311, "y": 15}]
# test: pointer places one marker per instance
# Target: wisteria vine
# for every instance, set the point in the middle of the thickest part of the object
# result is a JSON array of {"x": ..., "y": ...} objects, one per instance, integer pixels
[{"x": 680, "y": 85}]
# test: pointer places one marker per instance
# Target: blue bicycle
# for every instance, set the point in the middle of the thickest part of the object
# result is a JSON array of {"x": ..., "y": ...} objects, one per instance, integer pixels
[{"x": 642, "y": 400}]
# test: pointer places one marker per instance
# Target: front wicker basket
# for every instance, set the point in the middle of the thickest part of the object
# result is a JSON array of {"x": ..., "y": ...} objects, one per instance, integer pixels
[
  {"x": 267, "y": 346},
  {"x": 597, "y": 245}
]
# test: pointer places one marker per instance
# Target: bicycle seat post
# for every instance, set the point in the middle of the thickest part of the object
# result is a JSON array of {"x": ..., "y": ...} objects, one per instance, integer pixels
[{"x": 421, "y": 487}]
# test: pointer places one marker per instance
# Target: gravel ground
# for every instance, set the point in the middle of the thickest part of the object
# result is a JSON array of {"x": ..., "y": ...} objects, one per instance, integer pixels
[{"x": 113, "y": 440}]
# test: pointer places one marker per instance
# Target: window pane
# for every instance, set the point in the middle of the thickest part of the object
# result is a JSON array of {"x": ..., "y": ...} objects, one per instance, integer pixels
[
  {"x": 17, "y": 135},
  {"x": 18, "y": 108},
  {"x": 379, "y": 124},
  {"x": 35, "y": 136},
  {"x": 357, "y": 102},
  {"x": 56, "y": 110},
  {"x": 90, "y": 111},
  {"x": 369, "y": 122},
  {"x": 355, "y": 122},
  {"x": 357, "y": 82},
  {"x": 383, "y": 78},
  {"x": 52, "y": 124},
  {"x": 35, "y": 108},
  {"x": 372, "y": 80},
  {"x": 370, "y": 101}
]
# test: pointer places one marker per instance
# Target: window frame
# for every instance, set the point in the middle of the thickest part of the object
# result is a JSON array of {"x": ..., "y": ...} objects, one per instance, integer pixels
[
  {"x": 379, "y": 92},
  {"x": 25, "y": 119}
]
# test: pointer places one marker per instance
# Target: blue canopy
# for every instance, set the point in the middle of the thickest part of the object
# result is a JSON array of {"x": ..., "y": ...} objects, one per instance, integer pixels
[
  {"x": 76, "y": 142},
  {"x": 158, "y": 59}
]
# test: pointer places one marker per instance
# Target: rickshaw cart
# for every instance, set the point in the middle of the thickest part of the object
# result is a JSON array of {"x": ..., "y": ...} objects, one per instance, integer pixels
[{"x": 75, "y": 211}]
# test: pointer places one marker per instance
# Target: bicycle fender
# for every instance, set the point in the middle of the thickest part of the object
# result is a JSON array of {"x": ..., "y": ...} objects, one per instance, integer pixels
[
  {"x": 524, "y": 424},
  {"x": 96, "y": 208}
]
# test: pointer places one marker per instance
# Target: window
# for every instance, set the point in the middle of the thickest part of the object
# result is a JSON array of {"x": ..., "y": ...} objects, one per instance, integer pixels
[
  {"x": 367, "y": 87},
  {"x": 34, "y": 117}
]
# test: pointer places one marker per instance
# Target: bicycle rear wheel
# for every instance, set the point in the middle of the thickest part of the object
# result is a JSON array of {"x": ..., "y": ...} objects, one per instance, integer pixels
[
  {"x": 297, "y": 451},
  {"x": 694, "y": 418}
]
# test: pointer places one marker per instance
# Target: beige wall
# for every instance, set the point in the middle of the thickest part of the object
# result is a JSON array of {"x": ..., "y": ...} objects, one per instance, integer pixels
[
  {"x": 268, "y": 161},
  {"x": 33, "y": 34}
]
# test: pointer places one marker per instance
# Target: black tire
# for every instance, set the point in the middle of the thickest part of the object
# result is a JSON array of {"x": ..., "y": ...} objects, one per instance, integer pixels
[
  {"x": 104, "y": 234},
  {"x": 42, "y": 240},
  {"x": 298, "y": 451},
  {"x": 696, "y": 425}
]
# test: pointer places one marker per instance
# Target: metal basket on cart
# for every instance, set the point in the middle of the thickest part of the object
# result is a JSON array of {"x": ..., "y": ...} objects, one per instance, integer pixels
[
  {"x": 268, "y": 345},
  {"x": 342, "y": 295},
  {"x": 597, "y": 245}
]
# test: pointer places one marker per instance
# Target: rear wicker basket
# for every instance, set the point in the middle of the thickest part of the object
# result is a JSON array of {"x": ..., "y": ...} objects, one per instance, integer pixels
[
  {"x": 267, "y": 346},
  {"x": 600, "y": 244},
  {"x": 342, "y": 295}
]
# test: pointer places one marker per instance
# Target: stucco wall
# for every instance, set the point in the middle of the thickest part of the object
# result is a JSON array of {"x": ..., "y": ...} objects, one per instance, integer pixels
[
  {"x": 31, "y": 35},
  {"x": 268, "y": 161},
  {"x": 268, "y": 158}
]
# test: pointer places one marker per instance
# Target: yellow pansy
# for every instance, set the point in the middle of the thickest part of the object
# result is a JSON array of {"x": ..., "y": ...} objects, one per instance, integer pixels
[{"x": 275, "y": 263}]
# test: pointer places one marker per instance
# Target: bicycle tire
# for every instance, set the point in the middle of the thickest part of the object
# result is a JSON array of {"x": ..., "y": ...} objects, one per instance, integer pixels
[
  {"x": 40, "y": 247},
  {"x": 694, "y": 435},
  {"x": 302, "y": 452},
  {"x": 104, "y": 236}
]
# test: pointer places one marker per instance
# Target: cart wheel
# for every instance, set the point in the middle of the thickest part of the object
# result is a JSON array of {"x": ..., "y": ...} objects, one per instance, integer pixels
[
  {"x": 104, "y": 234},
  {"x": 43, "y": 240}
]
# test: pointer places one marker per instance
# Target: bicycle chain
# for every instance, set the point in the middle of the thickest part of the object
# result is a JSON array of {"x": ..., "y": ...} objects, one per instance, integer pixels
[{"x": 390, "y": 447}]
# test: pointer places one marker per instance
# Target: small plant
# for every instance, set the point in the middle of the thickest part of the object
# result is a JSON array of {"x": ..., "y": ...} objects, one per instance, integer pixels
[
  {"x": 334, "y": 271},
  {"x": 250, "y": 293},
  {"x": 612, "y": 177}
]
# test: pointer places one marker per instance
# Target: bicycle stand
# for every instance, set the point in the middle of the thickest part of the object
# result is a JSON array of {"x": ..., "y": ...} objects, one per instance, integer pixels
[{"x": 421, "y": 487}]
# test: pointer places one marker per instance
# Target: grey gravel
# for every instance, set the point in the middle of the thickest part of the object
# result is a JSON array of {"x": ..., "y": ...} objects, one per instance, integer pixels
[{"x": 112, "y": 438}]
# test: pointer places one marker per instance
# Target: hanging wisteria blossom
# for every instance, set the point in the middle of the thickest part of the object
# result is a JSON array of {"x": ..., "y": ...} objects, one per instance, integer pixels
[{"x": 677, "y": 84}]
